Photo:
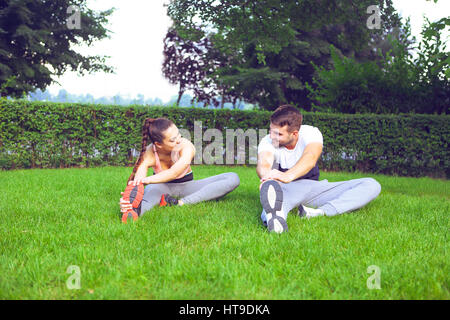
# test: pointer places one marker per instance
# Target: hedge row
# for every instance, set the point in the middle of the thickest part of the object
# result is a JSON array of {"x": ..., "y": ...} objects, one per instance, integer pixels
[{"x": 59, "y": 135}]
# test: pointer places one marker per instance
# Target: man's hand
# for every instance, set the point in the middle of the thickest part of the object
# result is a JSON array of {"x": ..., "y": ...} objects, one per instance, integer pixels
[{"x": 277, "y": 175}]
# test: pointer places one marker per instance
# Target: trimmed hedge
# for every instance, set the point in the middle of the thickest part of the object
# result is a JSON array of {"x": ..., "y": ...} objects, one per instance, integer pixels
[{"x": 59, "y": 135}]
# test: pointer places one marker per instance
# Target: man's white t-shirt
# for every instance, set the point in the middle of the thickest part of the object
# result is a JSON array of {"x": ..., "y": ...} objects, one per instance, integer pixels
[{"x": 288, "y": 158}]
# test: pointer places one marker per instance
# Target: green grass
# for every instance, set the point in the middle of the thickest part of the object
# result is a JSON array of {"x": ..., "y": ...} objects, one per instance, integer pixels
[{"x": 54, "y": 218}]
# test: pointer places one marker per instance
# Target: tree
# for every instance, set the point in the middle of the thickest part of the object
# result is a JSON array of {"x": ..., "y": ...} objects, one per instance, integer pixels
[
  {"x": 183, "y": 62},
  {"x": 398, "y": 83},
  {"x": 433, "y": 67},
  {"x": 36, "y": 41},
  {"x": 271, "y": 43}
]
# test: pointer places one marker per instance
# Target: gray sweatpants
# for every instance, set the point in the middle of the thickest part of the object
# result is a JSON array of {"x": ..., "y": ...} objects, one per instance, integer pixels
[
  {"x": 332, "y": 197},
  {"x": 191, "y": 191}
]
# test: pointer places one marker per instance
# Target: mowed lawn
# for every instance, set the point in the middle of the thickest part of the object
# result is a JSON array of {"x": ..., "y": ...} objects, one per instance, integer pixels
[{"x": 55, "y": 218}]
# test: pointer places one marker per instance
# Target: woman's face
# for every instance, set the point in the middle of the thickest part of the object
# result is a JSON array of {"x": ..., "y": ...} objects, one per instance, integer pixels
[{"x": 172, "y": 138}]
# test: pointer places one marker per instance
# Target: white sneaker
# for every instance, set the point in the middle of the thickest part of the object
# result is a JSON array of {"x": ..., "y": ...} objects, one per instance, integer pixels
[{"x": 306, "y": 212}]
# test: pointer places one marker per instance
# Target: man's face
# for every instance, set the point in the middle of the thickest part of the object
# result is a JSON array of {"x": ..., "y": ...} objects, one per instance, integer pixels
[{"x": 281, "y": 136}]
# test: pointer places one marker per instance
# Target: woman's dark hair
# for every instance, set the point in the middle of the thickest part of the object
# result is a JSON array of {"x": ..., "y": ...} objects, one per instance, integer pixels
[
  {"x": 152, "y": 131},
  {"x": 287, "y": 115}
]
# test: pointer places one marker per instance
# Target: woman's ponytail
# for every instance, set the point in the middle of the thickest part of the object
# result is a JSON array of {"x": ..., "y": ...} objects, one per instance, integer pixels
[{"x": 145, "y": 141}]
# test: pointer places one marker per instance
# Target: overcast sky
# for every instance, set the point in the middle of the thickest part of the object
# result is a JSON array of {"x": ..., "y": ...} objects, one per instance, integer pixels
[{"x": 138, "y": 29}]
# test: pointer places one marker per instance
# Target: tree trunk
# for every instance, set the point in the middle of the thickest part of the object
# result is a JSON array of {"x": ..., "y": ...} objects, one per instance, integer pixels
[
  {"x": 180, "y": 94},
  {"x": 221, "y": 100},
  {"x": 234, "y": 102}
]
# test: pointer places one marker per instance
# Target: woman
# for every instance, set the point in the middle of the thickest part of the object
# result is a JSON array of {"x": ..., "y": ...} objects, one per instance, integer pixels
[{"x": 170, "y": 156}]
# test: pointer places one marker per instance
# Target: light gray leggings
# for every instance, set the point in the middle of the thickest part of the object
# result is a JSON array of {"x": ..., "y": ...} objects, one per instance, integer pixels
[
  {"x": 191, "y": 191},
  {"x": 332, "y": 197}
]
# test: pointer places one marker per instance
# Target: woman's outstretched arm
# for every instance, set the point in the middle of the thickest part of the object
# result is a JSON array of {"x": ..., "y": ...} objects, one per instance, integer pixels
[{"x": 147, "y": 162}]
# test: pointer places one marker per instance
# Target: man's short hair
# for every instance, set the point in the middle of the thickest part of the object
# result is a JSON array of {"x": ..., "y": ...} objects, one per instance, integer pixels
[{"x": 287, "y": 115}]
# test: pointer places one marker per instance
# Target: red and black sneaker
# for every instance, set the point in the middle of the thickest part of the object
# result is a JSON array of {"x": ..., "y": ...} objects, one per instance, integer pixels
[
  {"x": 168, "y": 200},
  {"x": 133, "y": 194}
]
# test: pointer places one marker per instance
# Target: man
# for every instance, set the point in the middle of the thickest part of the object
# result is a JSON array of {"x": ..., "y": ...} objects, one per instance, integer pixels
[{"x": 287, "y": 167}]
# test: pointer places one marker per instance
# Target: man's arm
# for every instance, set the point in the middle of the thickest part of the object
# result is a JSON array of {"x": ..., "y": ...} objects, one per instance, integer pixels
[
  {"x": 265, "y": 163},
  {"x": 308, "y": 160}
]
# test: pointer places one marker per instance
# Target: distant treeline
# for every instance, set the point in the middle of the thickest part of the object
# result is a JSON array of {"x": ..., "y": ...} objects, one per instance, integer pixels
[{"x": 65, "y": 96}]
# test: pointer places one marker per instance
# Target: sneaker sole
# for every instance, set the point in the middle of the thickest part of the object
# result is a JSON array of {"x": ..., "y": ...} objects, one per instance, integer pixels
[
  {"x": 133, "y": 194},
  {"x": 271, "y": 197},
  {"x": 129, "y": 215}
]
